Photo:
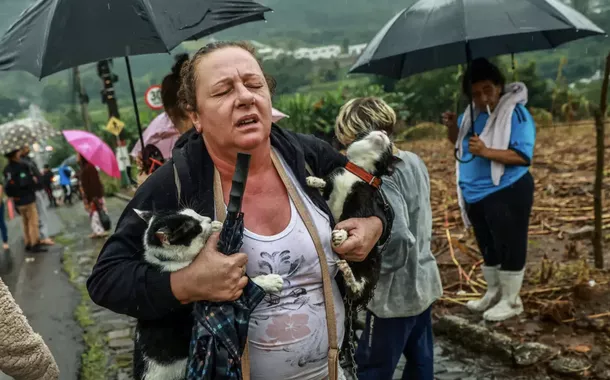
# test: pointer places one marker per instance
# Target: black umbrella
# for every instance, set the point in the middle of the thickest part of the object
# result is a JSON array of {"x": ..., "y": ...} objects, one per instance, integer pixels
[
  {"x": 432, "y": 34},
  {"x": 53, "y": 35},
  {"x": 221, "y": 329}
]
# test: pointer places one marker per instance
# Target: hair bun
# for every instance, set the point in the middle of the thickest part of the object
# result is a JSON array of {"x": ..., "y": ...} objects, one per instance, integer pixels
[{"x": 180, "y": 59}]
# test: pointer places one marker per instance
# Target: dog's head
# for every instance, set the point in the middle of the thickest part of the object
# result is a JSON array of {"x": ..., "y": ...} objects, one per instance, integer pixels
[{"x": 372, "y": 151}]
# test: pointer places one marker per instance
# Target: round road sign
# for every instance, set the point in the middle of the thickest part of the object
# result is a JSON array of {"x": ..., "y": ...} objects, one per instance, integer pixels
[{"x": 153, "y": 97}]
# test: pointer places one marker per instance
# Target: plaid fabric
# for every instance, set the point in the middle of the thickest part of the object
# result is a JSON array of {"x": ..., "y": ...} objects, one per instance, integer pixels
[{"x": 219, "y": 336}]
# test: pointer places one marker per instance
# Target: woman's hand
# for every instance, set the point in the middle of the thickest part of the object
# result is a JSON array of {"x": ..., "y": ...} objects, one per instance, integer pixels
[
  {"x": 212, "y": 276},
  {"x": 363, "y": 234},
  {"x": 476, "y": 146}
]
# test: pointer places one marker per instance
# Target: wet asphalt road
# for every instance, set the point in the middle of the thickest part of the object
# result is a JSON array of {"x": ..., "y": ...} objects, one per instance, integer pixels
[{"x": 43, "y": 292}]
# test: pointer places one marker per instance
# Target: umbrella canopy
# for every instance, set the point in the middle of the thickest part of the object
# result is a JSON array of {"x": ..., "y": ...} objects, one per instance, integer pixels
[
  {"x": 53, "y": 35},
  {"x": 14, "y": 136},
  {"x": 277, "y": 115},
  {"x": 40, "y": 127},
  {"x": 94, "y": 150},
  {"x": 439, "y": 33},
  {"x": 70, "y": 161}
]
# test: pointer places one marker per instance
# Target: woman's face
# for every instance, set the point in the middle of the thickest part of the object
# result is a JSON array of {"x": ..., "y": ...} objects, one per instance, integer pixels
[
  {"x": 486, "y": 93},
  {"x": 233, "y": 100}
]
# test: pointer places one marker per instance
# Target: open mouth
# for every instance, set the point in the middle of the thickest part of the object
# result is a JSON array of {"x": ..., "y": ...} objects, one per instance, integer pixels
[{"x": 247, "y": 120}]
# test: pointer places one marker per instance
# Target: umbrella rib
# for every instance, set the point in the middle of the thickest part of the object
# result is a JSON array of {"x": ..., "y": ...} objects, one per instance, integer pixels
[
  {"x": 152, "y": 21},
  {"x": 45, "y": 40}
]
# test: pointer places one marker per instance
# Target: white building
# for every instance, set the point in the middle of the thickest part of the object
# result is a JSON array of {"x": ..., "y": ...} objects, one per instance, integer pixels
[{"x": 321, "y": 52}]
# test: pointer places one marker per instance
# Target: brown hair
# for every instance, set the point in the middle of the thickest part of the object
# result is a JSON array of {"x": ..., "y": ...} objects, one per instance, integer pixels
[
  {"x": 188, "y": 88},
  {"x": 362, "y": 115},
  {"x": 171, "y": 85}
]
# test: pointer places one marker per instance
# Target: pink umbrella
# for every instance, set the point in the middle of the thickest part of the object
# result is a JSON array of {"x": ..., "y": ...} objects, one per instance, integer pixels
[
  {"x": 94, "y": 150},
  {"x": 161, "y": 133}
]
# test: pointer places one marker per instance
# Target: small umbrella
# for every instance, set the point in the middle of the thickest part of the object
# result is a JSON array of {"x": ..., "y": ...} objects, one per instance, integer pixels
[
  {"x": 439, "y": 33},
  {"x": 14, "y": 136},
  {"x": 70, "y": 161},
  {"x": 52, "y": 35},
  {"x": 94, "y": 150},
  {"x": 221, "y": 329},
  {"x": 40, "y": 127}
]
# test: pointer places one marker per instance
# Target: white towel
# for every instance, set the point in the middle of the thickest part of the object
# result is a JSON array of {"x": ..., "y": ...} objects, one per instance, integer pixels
[{"x": 495, "y": 134}]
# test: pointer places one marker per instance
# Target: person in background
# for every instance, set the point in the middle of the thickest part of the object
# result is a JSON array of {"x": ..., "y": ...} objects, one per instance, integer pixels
[
  {"x": 19, "y": 184},
  {"x": 180, "y": 119},
  {"x": 93, "y": 195},
  {"x": 23, "y": 353},
  {"x": 3, "y": 229},
  {"x": 495, "y": 186},
  {"x": 410, "y": 282},
  {"x": 64, "y": 181},
  {"x": 41, "y": 198},
  {"x": 47, "y": 181}
]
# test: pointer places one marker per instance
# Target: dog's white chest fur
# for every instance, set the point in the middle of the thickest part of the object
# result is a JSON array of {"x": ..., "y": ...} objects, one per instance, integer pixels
[{"x": 342, "y": 185}]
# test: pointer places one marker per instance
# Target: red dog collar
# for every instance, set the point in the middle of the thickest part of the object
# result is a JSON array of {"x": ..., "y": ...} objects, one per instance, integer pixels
[{"x": 363, "y": 175}]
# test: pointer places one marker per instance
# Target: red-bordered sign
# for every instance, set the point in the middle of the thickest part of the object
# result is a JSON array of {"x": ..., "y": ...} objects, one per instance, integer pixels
[{"x": 152, "y": 97}]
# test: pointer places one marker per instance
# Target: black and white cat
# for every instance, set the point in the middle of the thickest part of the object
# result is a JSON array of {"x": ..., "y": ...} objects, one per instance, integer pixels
[
  {"x": 171, "y": 242},
  {"x": 350, "y": 196}
]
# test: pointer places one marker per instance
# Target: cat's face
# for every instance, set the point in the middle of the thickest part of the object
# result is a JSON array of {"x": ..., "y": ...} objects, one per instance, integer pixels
[
  {"x": 372, "y": 151},
  {"x": 173, "y": 240}
]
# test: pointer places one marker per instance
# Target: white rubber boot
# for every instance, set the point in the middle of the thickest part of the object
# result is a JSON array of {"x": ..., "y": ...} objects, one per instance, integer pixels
[
  {"x": 492, "y": 295},
  {"x": 510, "y": 304}
]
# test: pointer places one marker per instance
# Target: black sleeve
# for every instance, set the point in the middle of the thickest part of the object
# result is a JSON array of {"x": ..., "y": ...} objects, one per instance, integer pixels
[
  {"x": 323, "y": 159},
  {"x": 121, "y": 280},
  {"x": 320, "y": 155}
]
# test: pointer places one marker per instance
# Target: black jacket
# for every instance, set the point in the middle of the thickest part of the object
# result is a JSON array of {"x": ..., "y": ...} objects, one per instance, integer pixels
[
  {"x": 19, "y": 182},
  {"x": 122, "y": 282}
]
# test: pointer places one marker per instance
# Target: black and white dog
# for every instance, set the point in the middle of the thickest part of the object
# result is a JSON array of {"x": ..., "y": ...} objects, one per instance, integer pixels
[{"x": 350, "y": 193}]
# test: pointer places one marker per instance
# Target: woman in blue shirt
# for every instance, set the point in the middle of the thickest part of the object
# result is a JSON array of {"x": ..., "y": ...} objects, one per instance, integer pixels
[{"x": 499, "y": 210}]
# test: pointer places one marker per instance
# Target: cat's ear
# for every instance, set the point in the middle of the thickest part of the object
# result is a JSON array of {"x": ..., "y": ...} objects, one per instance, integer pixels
[
  {"x": 161, "y": 234},
  {"x": 144, "y": 215}
]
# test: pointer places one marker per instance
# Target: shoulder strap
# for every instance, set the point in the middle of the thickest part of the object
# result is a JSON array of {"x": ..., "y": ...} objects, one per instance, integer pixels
[
  {"x": 331, "y": 321},
  {"x": 177, "y": 181}
]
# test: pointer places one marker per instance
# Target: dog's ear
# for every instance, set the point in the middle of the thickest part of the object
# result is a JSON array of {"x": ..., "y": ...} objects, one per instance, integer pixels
[{"x": 392, "y": 166}]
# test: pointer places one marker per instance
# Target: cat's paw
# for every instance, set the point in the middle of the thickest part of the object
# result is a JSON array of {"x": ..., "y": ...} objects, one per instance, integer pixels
[
  {"x": 216, "y": 226},
  {"x": 270, "y": 283},
  {"x": 338, "y": 237},
  {"x": 315, "y": 182}
]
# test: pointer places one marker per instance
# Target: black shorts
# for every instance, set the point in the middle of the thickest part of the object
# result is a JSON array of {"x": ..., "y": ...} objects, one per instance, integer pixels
[{"x": 501, "y": 222}]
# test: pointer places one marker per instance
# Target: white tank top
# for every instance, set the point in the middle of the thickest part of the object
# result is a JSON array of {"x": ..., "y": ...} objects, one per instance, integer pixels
[{"x": 288, "y": 334}]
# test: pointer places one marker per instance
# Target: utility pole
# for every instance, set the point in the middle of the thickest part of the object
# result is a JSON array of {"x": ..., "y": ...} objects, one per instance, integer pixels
[
  {"x": 83, "y": 98},
  {"x": 109, "y": 98}
]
